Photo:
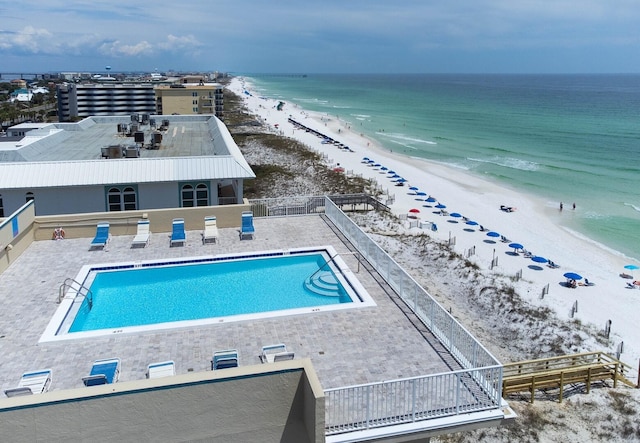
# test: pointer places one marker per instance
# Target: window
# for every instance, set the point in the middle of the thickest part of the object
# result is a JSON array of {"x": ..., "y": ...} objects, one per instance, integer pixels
[
  {"x": 195, "y": 196},
  {"x": 194, "y": 94},
  {"x": 1, "y": 207},
  {"x": 122, "y": 199},
  {"x": 195, "y": 102},
  {"x": 29, "y": 196},
  {"x": 195, "y": 109}
]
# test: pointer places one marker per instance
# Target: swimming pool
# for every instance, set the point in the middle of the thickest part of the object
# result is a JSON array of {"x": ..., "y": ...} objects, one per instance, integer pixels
[{"x": 152, "y": 295}]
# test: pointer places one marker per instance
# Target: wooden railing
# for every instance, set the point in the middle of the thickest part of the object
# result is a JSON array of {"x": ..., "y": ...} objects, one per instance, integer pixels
[{"x": 558, "y": 372}]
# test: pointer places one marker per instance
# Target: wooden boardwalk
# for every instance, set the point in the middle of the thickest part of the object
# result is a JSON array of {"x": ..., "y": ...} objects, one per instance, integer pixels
[{"x": 558, "y": 372}]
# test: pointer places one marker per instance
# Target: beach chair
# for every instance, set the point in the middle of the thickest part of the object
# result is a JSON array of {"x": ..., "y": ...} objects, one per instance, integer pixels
[
  {"x": 105, "y": 371},
  {"x": 32, "y": 382},
  {"x": 210, "y": 230},
  {"x": 246, "y": 228},
  {"x": 177, "y": 233},
  {"x": 161, "y": 369},
  {"x": 102, "y": 236},
  {"x": 274, "y": 353},
  {"x": 142, "y": 236},
  {"x": 224, "y": 359}
]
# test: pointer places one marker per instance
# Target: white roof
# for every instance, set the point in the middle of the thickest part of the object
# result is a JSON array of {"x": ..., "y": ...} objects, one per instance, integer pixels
[{"x": 19, "y": 175}]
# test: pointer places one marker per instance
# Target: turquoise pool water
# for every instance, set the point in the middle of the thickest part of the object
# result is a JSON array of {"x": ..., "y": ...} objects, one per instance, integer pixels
[{"x": 200, "y": 289}]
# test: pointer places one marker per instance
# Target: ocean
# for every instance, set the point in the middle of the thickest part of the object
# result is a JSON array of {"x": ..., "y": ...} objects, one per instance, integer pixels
[{"x": 562, "y": 138}]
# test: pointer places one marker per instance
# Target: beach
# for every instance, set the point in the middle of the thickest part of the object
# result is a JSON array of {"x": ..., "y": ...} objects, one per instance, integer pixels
[{"x": 534, "y": 223}]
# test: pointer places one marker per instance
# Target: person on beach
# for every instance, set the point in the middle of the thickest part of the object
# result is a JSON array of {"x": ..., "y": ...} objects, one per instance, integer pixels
[
  {"x": 561, "y": 206},
  {"x": 574, "y": 206}
]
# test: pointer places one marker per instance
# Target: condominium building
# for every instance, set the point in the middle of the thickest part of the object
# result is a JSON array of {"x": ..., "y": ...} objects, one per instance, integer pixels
[
  {"x": 76, "y": 101},
  {"x": 92, "y": 99},
  {"x": 189, "y": 98}
]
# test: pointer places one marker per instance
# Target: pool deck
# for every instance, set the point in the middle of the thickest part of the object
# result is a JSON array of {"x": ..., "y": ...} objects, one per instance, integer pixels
[{"x": 347, "y": 347}]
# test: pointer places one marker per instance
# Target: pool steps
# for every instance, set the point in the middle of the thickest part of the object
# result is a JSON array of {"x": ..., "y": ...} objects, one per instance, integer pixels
[{"x": 323, "y": 283}]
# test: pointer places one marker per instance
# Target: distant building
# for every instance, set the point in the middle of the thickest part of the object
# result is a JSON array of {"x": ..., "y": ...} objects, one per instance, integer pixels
[
  {"x": 190, "y": 98},
  {"x": 93, "y": 99}
]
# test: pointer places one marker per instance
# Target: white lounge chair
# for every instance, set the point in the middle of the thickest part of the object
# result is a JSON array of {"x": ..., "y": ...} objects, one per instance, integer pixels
[
  {"x": 224, "y": 359},
  {"x": 103, "y": 372},
  {"x": 142, "y": 235},
  {"x": 161, "y": 369},
  {"x": 32, "y": 382},
  {"x": 210, "y": 229},
  {"x": 274, "y": 353}
]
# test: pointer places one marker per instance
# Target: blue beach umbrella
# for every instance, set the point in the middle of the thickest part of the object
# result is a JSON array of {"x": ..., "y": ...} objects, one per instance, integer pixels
[
  {"x": 413, "y": 188},
  {"x": 384, "y": 168},
  {"x": 439, "y": 205},
  {"x": 421, "y": 193},
  {"x": 516, "y": 246},
  {"x": 493, "y": 234},
  {"x": 431, "y": 200},
  {"x": 539, "y": 259},
  {"x": 472, "y": 223},
  {"x": 455, "y": 215},
  {"x": 401, "y": 180},
  {"x": 631, "y": 267},
  {"x": 391, "y": 172},
  {"x": 572, "y": 276}
]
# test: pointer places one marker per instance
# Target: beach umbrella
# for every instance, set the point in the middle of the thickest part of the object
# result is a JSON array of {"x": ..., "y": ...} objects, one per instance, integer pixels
[
  {"x": 414, "y": 211},
  {"x": 413, "y": 188},
  {"x": 538, "y": 259},
  {"x": 472, "y": 223},
  {"x": 431, "y": 200},
  {"x": 366, "y": 159},
  {"x": 572, "y": 276},
  {"x": 631, "y": 267},
  {"x": 401, "y": 180},
  {"x": 440, "y": 205},
  {"x": 493, "y": 234},
  {"x": 455, "y": 215},
  {"x": 421, "y": 193},
  {"x": 391, "y": 172},
  {"x": 516, "y": 246},
  {"x": 384, "y": 168}
]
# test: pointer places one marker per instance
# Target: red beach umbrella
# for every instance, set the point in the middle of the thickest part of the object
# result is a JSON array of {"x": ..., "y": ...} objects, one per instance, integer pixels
[{"x": 414, "y": 211}]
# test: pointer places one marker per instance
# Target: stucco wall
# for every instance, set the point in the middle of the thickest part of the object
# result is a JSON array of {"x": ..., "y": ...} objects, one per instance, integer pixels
[
  {"x": 280, "y": 402},
  {"x": 125, "y": 223}
]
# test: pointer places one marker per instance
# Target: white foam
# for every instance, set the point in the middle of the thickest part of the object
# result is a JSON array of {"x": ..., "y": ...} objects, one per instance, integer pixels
[{"x": 508, "y": 162}]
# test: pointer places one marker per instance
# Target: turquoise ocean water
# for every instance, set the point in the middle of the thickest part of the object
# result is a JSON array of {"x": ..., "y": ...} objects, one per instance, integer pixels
[{"x": 569, "y": 138}]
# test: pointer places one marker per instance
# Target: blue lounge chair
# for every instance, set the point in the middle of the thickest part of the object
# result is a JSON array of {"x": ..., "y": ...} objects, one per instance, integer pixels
[
  {"x": 161, "y": 369},
  {"x": 177, "y": 234},
  {"x": 102, "y": 236},
  {"x": 247, "y": 225},
  {"x": 224, "y": 359},
  {"x": 32, "y": 382},
  {"x": 103, "y": 372}
]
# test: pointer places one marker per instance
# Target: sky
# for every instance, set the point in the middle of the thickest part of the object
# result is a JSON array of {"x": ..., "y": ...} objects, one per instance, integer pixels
[{"x": 329, "y": 36}]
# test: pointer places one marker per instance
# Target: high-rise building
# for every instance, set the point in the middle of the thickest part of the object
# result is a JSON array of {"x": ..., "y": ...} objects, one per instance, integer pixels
[
  {"x": 92, "y": 99},
  {"x": 190, "y": 98}
]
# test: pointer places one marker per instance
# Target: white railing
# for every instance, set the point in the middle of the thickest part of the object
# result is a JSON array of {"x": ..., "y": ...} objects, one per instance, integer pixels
[
  {"x": 476, "y": 387},
  {"x": 390, "y": 403}
]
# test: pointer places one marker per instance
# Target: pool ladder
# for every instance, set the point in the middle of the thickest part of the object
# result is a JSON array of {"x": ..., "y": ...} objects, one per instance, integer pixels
[{"x": 80, "y": 289}]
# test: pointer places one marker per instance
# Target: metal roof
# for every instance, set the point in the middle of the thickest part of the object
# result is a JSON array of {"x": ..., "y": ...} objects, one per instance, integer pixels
[
  {"x": 197, "y": 147},
  {"x": 18, "y": 175}
]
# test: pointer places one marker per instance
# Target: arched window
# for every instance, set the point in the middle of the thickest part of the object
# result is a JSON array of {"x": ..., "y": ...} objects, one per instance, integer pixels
[
  {"x": 122, "y": 199},
  {"x": 198, "y": 196}
]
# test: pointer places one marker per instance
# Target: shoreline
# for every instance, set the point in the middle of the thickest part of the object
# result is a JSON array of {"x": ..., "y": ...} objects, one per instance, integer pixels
[{"x": 533, "y": 223}]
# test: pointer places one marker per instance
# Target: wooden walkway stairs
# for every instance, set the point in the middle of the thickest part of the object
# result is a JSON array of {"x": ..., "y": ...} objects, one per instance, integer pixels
[{"x": 558, "y": 372}]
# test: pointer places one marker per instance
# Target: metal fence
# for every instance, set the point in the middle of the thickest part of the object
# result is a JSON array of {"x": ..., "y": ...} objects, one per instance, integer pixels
[
  {"x": 306, "y": 205},
  {"x": 476, "y": 387}
]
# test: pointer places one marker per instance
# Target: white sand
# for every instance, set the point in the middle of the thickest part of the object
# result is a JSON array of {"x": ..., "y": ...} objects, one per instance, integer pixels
[{"x": 535, "y": 224}]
